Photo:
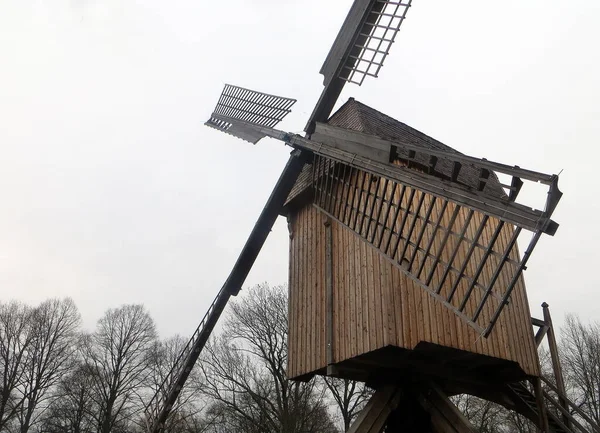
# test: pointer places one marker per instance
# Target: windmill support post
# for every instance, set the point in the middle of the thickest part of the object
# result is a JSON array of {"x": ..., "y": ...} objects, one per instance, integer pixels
[
  {"x": 402, "y": 408},
  {"x": 556, "y": 365},
  {"x": 544, "y": 427}
]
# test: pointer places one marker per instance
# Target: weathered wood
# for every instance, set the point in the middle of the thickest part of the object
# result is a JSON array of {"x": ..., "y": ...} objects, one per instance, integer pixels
[
  {"x": 329, "y": 289},
  {"x": 374, "y": 415},
  {"x": 511, "y": 212},
  {"x": 368, "y": 279},
  {"x": 341, "y": 138},
  {"x": 372, "y": 141},
  {"x": 556, "y": 366},
  {"x": 541, "y": 405},
  {"x": 445, "y": 416}
]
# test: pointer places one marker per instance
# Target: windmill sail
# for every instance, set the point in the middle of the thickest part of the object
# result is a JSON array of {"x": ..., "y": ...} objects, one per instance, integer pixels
[
  {"x": 359, "y": 50},
  {"x": 364, "y": 41},
  {"x": 248, "y": 106}
]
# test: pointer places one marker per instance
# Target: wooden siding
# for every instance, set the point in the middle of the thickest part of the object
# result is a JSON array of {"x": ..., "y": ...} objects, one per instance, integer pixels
[{"x": 375, "y": 304}]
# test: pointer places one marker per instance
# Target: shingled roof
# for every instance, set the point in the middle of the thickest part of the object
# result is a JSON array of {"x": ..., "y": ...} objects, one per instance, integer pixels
[{"x": 357, "y": 116}]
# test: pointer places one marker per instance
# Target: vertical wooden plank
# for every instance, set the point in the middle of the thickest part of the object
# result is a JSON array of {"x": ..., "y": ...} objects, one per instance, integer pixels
[
  {"x": 371, "y": 299},
  {"x": 320, "y": 295},
  {"x": 302, "y": 291},
  {"x": 380, "y": 316},
  {"x": 389, "y": 335},
  {"x": 353, "y": 295},
  {"x": 339, "y": 289},
  {"x": 337, "y": 277},
  {"x": 364, "y": 303},
  {"x": 291, "y": 300},
  {"x": 310, "y": 271}
]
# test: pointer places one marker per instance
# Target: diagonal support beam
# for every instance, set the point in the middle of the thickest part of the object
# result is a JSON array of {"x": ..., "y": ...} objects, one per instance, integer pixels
[{"x": 159, "y": 408}]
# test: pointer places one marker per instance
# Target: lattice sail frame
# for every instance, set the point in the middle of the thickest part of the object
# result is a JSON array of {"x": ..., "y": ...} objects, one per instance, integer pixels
[
  {"x": 450, "y": 250},
  {"x": 248, "y": 107},
  {"x": 372, "y": 44}
]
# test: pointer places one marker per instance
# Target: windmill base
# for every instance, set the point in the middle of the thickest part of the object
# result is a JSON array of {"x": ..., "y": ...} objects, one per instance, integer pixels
[{"x": 402, "y": 409}]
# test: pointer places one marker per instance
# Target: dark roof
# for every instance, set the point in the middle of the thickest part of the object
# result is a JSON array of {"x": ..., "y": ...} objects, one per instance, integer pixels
[{"x": 357, "y": 116}]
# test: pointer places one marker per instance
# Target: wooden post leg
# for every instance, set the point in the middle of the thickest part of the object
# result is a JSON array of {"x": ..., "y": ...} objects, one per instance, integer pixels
[
  {"x": 373, "y": 417},
  {"x": 445, "y": 416},
  {"x": 409, "y": 416},
  {"x": 560, "y": 383},
  {"x": 541, "y": 406}
]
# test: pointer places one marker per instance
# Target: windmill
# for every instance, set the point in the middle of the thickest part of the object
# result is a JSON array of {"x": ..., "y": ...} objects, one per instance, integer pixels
[{"x": 404, "y": 265}]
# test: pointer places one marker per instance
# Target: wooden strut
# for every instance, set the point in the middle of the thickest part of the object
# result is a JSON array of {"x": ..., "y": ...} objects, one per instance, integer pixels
[
  {"x": 401, "y": 409},
  {"x": 541, "y": 405},
  {"x": 556, "y": 366}
]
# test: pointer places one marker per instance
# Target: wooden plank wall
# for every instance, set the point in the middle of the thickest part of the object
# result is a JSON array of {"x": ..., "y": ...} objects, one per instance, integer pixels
[
  {"x": 306, "y": 337},
  {"x": 376, "y": 305}
]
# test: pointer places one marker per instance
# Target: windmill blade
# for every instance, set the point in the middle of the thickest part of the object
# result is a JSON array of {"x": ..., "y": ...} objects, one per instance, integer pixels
[
  {"x": 364, "y": 40},
  {"x": 248, "y": 107},
  {"x": 359, "y": 50}
]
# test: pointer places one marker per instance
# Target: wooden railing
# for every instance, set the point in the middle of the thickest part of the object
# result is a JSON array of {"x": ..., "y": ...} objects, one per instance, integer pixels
[{"x": 572, "y": 412}]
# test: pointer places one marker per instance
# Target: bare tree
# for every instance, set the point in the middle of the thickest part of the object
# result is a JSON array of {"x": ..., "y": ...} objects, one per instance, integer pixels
[
  {"x": 117, "y": 357},
  {"x": 580, "y": 350},
  {"x": 485, "y": 416},
  {"x": 350, "y": 397},
  {"x": 185, "y": 414},
  {"x": 244, "y": 372},
  {"x": 15, "y": 339},
  {"x": 73, "y": 408},
  {"x": 53, "y": 326}
]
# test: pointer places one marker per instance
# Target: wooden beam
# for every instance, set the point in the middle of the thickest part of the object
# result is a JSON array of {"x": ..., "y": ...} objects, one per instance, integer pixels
[
  {"x": 537, "y": 322},
  {"x": 540, "y": 334},
  {"x": 556, "y": 367},
  {"x": 445, "y": 416},
  {"x": 521, "y": 215},
  {"x": 541, "y": 405},
  {"x": 381, "y": 143},
  {"x": 343, "y": 42},
  {"x": 373, "y": 417},
  {"x": 514, "y": 213},
  {"x": 341, "y": 138}
]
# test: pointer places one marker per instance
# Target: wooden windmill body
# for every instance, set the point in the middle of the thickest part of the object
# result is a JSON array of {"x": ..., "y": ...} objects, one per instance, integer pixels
[
  {"x": 404, "y": 269},
  {"x": 353, "y": 308}
]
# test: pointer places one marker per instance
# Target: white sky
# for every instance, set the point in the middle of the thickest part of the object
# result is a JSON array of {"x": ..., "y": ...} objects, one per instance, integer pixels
[{"x": 113, "y": 191}]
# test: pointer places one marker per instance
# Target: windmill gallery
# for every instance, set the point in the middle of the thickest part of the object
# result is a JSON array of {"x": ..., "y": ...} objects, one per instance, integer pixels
[{"x": 404, "y": 266}]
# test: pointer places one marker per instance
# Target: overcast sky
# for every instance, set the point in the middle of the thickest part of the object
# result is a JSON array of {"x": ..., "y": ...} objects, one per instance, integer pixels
[{"x": 113, "y": 191}]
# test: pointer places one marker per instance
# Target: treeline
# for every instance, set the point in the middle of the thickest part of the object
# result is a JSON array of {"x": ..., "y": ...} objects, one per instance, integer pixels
[{"x": 55, "y": 377}]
